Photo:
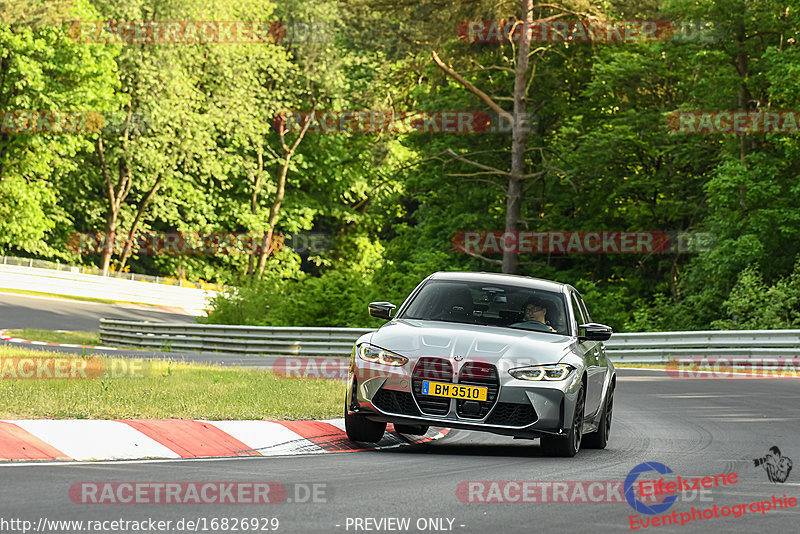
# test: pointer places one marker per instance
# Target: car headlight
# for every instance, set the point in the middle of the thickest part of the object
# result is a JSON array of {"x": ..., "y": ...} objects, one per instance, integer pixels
[
  {"x": 373, "y": 354},
  {"x": 558, "y": 371}
]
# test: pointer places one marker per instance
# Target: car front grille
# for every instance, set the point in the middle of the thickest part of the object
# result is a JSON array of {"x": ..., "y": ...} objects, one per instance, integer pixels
[
  {"x": 478, "y": 374},
  {"x": 512, "y": 414},
  {"x": 400, "y": 402},
  {"x": 437, "y": 370}
]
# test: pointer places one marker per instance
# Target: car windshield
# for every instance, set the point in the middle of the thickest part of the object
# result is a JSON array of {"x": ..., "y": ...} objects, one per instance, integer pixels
[{"x": 491, "y": 305}]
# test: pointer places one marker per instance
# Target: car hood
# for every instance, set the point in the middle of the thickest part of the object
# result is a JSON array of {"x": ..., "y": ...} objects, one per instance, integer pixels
[{"x": 413, "y": 338}]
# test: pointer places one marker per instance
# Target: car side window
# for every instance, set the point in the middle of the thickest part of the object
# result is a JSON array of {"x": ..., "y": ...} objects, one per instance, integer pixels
[
  {"x": 584, "y": 309},
  {"x": 577, "y": 313}
]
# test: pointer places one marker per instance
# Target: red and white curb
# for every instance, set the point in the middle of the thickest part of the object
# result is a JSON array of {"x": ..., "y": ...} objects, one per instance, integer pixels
[
  {"x": 12, "y": 339},
  {"x": 134, "y": 439}
]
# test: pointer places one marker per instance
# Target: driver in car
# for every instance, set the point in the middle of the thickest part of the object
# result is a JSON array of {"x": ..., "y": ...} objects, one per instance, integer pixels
[{"x": 535, "y": 311}]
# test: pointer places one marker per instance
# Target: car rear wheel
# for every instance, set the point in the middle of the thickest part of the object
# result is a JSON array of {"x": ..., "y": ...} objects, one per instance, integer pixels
[
  {"x": 359, "y": 428},
  {"x": 599, "y": 439},
  {"x": 413, "y": 430},
  {"x": 569, "y": 445}
]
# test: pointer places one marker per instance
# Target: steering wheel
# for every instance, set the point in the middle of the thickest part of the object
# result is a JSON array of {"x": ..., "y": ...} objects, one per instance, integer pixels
[{"x": 531, "y": 324}]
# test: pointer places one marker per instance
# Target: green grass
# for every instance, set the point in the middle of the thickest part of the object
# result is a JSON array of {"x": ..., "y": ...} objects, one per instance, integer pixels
[
  {"x": 55, "y": 336},
  {"x": 641, "y": 365},
  {"x": 168, "y": 390}
]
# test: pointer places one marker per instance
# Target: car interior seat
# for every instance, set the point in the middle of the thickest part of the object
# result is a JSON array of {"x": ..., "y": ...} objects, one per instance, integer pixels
[
  {"x": 556, "y": 318},
  {"x": 460, "y": 305}
]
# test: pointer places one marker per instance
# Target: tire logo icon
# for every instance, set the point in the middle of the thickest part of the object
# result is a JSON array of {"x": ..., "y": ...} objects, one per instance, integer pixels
[{"x": 630, "y": 483}]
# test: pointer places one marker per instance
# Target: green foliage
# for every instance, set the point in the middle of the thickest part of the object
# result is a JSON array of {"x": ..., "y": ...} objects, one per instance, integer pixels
[
  {"x": 392, "y": 203},
  {"x": 42, "y": 69},
  {"x": 755, "y": 305},
  {"x": 23, "y": 222}
]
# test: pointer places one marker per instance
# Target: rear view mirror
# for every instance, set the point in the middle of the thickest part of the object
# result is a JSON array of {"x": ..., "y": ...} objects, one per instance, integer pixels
[
  {"x": 594, "y": 332},
  {"x": 381, "y": 310}
]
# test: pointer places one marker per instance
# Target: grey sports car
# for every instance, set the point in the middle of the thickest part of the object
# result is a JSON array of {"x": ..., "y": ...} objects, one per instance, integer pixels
[{"x": 511, "y": 355}]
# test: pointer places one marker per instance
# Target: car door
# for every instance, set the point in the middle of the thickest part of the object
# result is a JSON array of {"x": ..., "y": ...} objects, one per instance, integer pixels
[
  {"x": 601, "y": 359},
  {"x": 590, "y": 351}
]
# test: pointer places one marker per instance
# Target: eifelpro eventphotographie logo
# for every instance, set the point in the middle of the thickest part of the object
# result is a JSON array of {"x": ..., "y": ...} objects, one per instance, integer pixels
[{"x": 630, "y": 486}]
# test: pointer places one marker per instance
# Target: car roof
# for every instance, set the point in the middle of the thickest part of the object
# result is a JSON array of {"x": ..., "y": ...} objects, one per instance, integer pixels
[{"x": 497, "y": 278}]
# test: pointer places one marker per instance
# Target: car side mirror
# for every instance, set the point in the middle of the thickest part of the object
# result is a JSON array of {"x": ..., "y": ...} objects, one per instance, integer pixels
[
  {"x": 381, "y": 310},
  {"x": 594, "y": 332}
]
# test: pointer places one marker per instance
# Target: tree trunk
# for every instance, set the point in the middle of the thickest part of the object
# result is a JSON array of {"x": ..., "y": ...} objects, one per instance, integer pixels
[
  {"x": 116, "y": 195},
  {"x": 743, "y": 95},
  {"x": 251, "y": 267},
  {"x": 288, "y": 151},
  {"x": 519, "y": 138},
  {"x": 142, "y": 206},
  {"x": 266, "y": 244},
  {"x": 109, "y": 236}
]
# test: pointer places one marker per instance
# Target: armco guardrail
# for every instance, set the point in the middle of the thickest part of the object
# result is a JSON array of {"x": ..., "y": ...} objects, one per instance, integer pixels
[
  {"x": 646, "y": 347},
  {"x": 310, "y": 341},
  {"x": 270, "y": 340},
  {"x": 87, "y": 285}
]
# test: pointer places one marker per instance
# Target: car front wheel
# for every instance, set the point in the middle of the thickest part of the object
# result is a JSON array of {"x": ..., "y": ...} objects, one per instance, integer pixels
[
  {"x": 569, "y": 445},
  {"x": 359, "y": 428}
]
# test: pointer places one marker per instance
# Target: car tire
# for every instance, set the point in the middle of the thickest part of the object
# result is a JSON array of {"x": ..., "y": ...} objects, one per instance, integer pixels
[
  {"x": 413, "y": 430},
  {"x": 599, "y": 439},
  {"x": 359, "y": 428},
  {"x": 569, "y": 445}
]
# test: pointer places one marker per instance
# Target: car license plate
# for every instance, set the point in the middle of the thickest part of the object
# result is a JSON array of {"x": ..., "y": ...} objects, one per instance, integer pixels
[{"x": 456, "y": 391}]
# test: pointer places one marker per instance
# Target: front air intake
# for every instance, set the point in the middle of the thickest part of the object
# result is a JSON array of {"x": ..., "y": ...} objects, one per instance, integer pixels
[
  {"x": 435, "y": 370},
  {"x": 478, "y": 374}
]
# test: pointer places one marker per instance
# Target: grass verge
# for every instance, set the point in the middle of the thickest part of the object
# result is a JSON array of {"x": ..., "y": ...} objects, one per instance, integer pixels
[
  {"x": 166, "y": 390},
  {"x": 56, "y": 336},
  {"x": 641, "y": 365}
]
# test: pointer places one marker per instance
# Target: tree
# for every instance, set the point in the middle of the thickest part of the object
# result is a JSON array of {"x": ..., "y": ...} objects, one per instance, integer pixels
[
  {"x": 518, "y": 119},
  {"x": 285, "y": 159},
  {"x": 42, "y": 71}
]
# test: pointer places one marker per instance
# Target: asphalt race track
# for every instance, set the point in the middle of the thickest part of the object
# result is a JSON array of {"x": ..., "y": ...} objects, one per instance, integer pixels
[
  {"x": 25, "y": 311},
  {"x": 695, "y": 427}
]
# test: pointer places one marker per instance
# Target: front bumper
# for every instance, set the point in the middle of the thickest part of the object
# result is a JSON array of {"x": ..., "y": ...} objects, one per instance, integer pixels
[{"x": 521, "y": 408}]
